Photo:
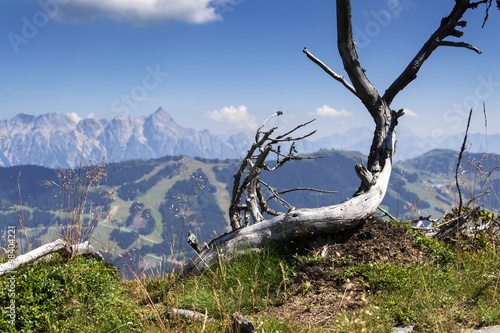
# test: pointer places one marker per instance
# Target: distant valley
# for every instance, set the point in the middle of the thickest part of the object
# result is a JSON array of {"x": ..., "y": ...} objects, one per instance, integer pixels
[
  {"x": 137, "y": 186},
  {"x": 139, "y": 212}
]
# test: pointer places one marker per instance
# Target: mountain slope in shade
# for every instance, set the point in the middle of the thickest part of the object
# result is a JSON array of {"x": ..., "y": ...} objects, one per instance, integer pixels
[{"x": 148, "y": 207}]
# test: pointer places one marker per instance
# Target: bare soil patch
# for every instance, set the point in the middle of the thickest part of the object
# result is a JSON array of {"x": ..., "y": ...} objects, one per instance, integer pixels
[{"x": 319, "y": 290}]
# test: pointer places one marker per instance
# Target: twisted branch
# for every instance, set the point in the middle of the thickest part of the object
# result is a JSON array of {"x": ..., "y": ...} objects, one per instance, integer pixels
[{"x": 247, "y": 195}]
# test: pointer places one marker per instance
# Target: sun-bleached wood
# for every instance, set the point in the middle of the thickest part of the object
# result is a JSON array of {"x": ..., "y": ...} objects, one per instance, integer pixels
[
  {"x": 298, "y": 223},
  {"x": 59, "y": 245}
]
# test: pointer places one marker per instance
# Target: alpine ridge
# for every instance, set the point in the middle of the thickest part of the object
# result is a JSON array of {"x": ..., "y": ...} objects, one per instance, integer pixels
[{"x": 58, "y": 141}]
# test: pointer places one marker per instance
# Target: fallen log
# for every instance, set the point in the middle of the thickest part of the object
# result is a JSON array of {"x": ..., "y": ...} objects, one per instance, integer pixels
[
  {"x": 298, "y": 223},
  {"x": 56, "y": 246}
]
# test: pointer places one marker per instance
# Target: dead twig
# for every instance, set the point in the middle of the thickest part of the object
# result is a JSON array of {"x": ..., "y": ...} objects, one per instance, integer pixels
[
  {"x": 248, "y": 200},
  {"x": 460, "y": 156}
]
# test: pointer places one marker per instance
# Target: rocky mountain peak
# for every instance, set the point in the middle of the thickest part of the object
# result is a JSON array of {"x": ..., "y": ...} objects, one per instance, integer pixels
[
  {"x": 161, "y": 118},
  {"x": 21, "y": 118},
  {"x": 53, "y": 121},
  {"x": 57, "y": 141}
]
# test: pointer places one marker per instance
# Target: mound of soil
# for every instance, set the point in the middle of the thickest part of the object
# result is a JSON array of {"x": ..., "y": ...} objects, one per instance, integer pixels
[{"x": 318, "y": 291}]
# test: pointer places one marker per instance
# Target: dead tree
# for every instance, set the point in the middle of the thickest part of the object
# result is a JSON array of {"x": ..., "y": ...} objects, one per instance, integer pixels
[{"x": 298, "y": 223}]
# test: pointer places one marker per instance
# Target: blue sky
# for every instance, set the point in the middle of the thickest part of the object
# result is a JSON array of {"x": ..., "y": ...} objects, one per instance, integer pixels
[{"x": 229, "y": 64}]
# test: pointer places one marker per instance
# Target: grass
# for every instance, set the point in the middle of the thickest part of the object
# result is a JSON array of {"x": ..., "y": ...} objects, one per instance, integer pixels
[
  {"x": 251, "y": 282},
  {"x": 69, "y": 295},
  {"x": 80, "y": 294},
  {"x": 436, "y": 297},
  {"x": 84, "y": 295},
  {"x": 457, "y": 289}
]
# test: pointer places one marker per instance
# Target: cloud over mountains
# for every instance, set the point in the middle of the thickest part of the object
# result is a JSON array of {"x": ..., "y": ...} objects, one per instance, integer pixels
[
  {"x": 237, "y": 117},
  {"x": 328, "y": 111}
]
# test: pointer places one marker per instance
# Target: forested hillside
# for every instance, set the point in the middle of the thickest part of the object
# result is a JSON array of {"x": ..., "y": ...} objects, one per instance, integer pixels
[{"x": 140, "y": 212}]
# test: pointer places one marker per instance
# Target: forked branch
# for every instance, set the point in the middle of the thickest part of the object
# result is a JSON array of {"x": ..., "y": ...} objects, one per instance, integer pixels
[
  {"x": 248, "y": 201},
  {"x": 448, "y": 28}
]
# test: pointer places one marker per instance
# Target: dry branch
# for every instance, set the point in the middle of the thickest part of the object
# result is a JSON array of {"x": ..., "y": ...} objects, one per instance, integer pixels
[
  {"x": 330, "y": 72},
  {"x": 459, "y": 160},
  {"x": 247, "y": 198},
  {"x": 58, "y": 245},
  {"x": 446, "y": 29},
  {"x": 461, "y": 44},
  {"x": 301, "y": 223},
  {"x": 455, "y": 225}
]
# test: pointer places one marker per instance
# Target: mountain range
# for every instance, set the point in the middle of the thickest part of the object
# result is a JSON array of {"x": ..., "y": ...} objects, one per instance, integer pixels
[{"x": 59, "y": 141}]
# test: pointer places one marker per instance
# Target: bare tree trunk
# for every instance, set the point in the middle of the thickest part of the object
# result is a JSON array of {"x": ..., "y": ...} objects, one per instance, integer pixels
[{"x": 299, "y": 223}]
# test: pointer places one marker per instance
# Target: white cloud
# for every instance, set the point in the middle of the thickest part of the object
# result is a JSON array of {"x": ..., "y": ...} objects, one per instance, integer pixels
[
  {"x": 236, "y": 116},
  {"x": 142, "y": 12},
  {"x": 410, "y": 113},
  {"x": 74, "y": 116},
  {"x": 327, "y": 111}
]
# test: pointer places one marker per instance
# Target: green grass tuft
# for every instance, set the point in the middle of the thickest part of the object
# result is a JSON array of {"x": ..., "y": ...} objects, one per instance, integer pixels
[
  {"x": 433, "y": 298},
  {"x": 247, "y": 284},
  {"x": 68, "y": 295}
]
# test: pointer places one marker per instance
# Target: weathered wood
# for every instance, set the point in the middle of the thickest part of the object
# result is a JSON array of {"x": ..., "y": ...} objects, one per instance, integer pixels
[
  {"x": 294, "y": 224},
  {"x": 191, "y": 314},
  {"x": 58, "y": 245},
  {"x": 193, "y": 242},
  {"x": 242, "y": 325},
  {"x": 364, "y": 174},
  {"x": 298, "y": 223},
  {"x": 25, "y": 259},
  {"x": 84, "y": 249}
]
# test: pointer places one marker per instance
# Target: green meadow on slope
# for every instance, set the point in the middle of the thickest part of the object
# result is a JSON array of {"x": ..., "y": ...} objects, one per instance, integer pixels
[{"x": 140, "y": 212}]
